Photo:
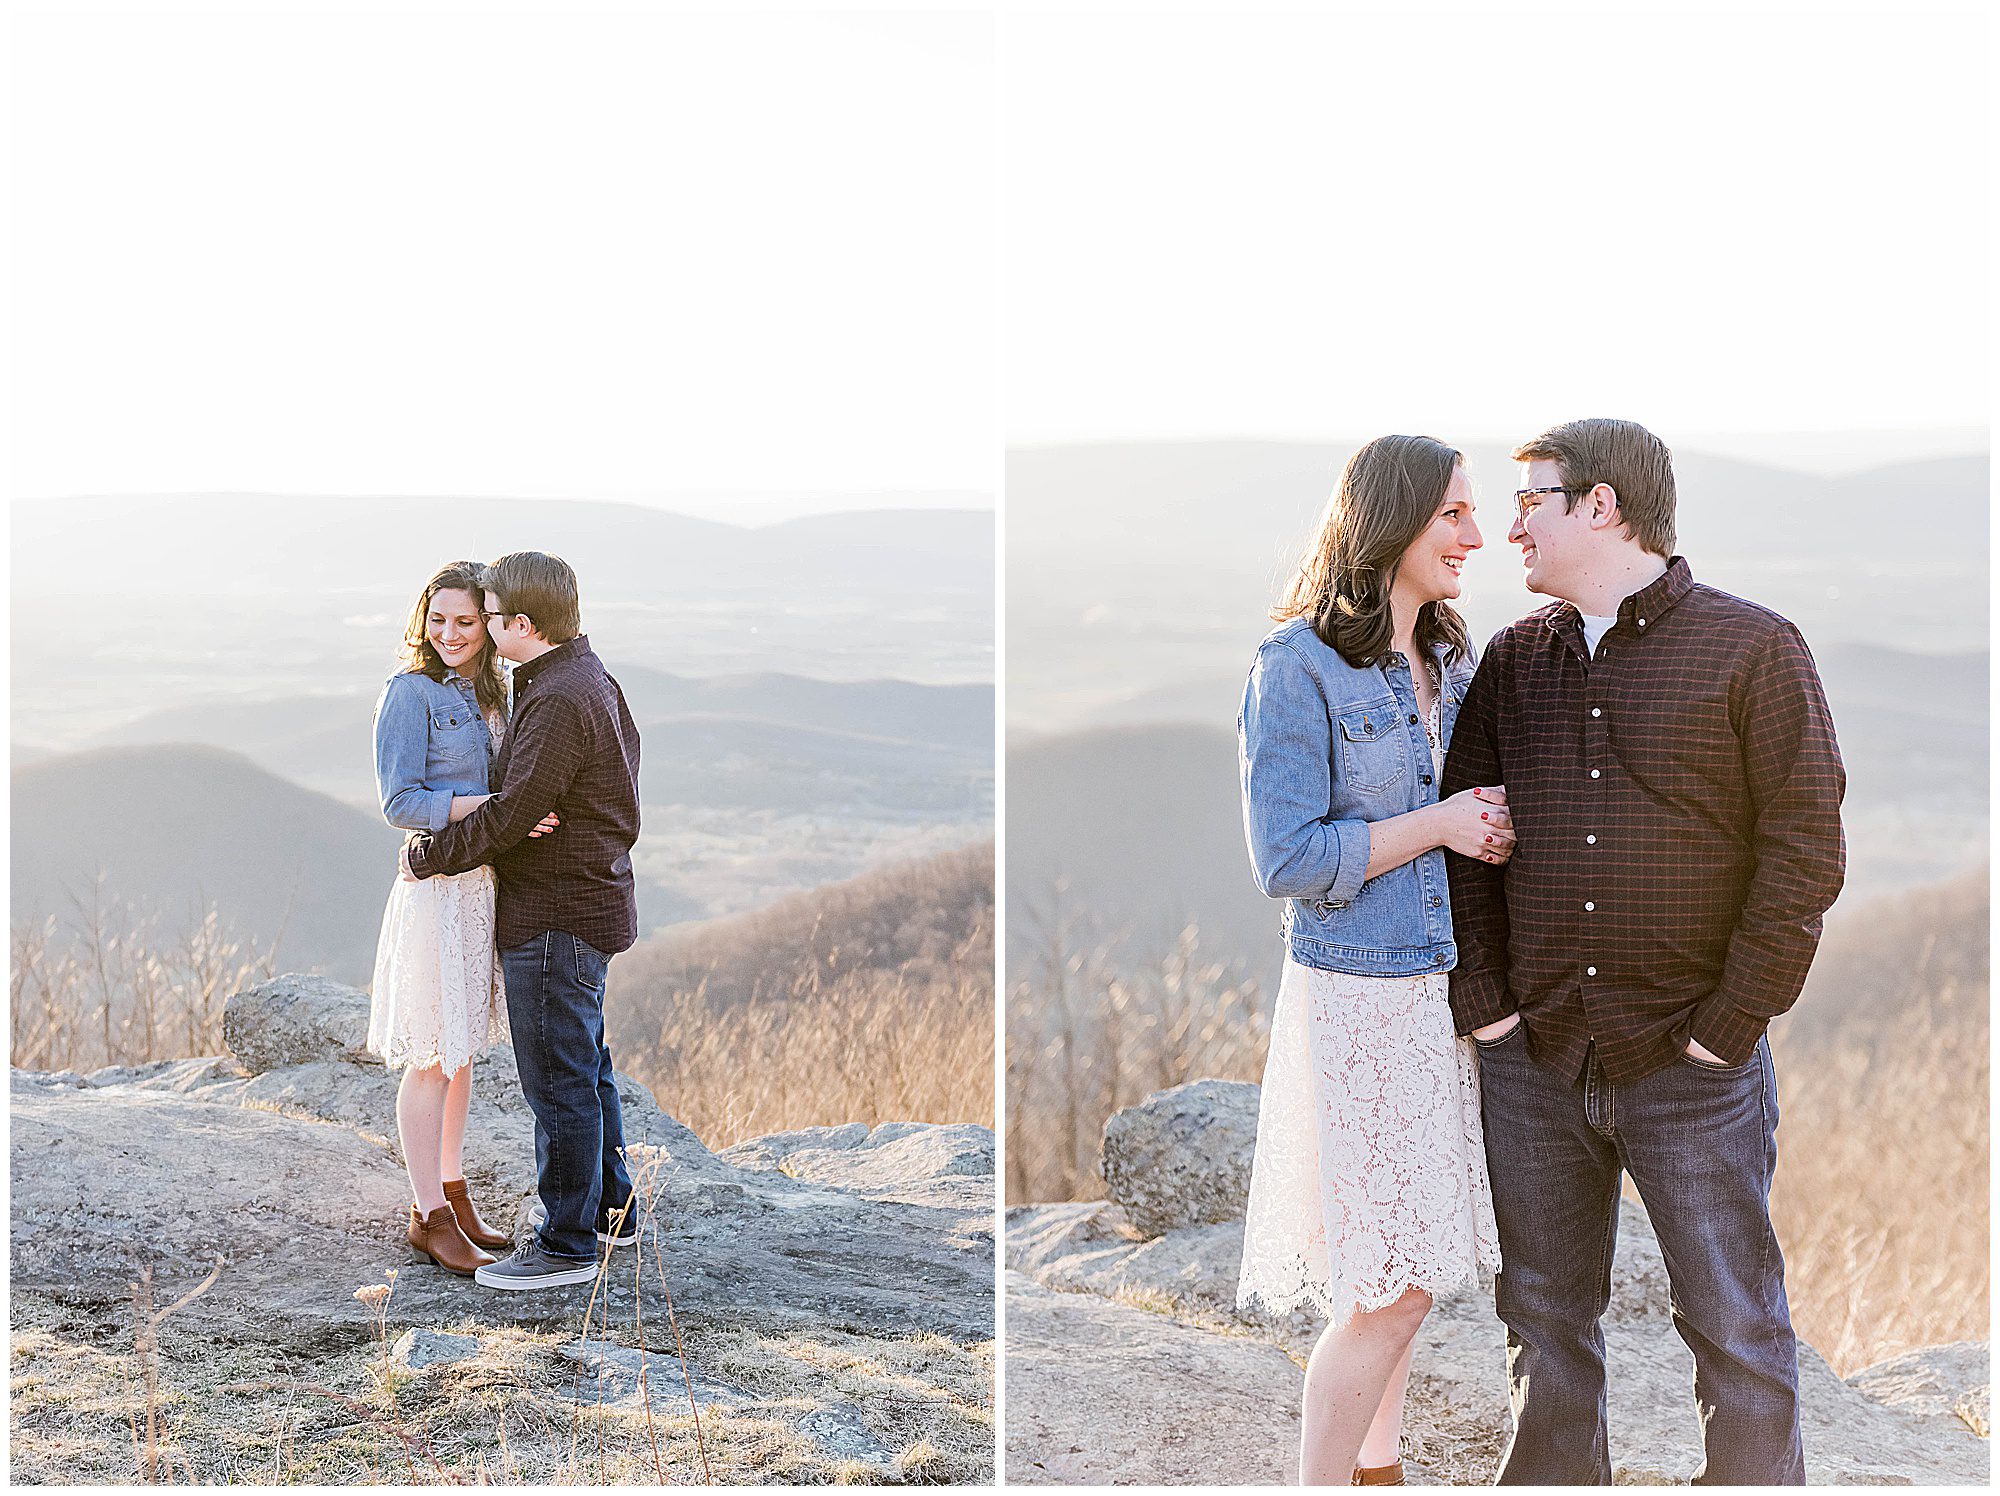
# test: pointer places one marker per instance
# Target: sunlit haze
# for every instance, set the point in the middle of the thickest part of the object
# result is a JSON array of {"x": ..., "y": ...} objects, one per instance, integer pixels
[
  {"x": 1328, "y": 227},
  {"x": 736, "y": 264}
]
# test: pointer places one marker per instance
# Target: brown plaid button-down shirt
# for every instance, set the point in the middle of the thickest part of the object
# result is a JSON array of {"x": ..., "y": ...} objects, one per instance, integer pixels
[
  {"x": 1677, "y": 800},
  {"x": 572, "y": 748}
]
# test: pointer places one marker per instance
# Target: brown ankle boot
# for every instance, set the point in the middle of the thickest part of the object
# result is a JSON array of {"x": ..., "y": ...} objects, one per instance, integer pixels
[
  {"x": 1379, "y": 1475},
  {"x": 476, "y": 1231},
  {"x": 437, "y": 1237}
]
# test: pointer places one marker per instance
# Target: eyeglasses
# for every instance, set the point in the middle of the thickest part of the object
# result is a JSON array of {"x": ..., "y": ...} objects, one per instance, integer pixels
[{"x": 1528, "y": 500}]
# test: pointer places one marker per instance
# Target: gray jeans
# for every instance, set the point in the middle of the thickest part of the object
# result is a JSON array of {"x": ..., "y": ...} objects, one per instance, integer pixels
[{"x": 1700, "y": 1142}]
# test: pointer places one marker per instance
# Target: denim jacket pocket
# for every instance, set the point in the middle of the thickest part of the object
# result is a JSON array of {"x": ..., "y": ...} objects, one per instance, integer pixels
[{"x": 1371, "y": 749}]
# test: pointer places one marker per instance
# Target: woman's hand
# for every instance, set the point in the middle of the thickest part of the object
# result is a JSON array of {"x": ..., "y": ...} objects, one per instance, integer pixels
[
  {"x": 545, "y": 825},
  {"x": 1475, "y": 823}
]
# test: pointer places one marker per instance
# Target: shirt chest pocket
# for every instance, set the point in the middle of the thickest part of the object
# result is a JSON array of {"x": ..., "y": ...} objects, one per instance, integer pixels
[
  {"x": 1369, "y": 749},
  {"x": 457, "y": 735}
]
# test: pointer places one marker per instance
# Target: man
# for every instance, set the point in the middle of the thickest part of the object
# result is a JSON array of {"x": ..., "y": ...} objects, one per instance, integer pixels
[
  {"x": 564, "y": 908},
  {"x": 1675, "y": 788}
]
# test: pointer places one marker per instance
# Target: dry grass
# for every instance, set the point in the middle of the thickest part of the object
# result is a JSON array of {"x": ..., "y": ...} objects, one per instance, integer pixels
[
  {"x": 1087, "y": 1035},
  {"x": 1881, "y": 1202},
  {"x": 209, "y": 1411},
  {"x": 109, "y": 986},
  {"x": 866, "y": 1001}
]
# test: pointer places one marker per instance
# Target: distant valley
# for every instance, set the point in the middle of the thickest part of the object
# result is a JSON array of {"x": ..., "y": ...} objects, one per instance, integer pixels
[{"x": 815, "y": 699}]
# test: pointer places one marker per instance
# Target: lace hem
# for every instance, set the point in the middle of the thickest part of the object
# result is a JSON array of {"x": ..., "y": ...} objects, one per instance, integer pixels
[
  {"x": 438, "y": 996},
  {"x": 1370, "y": 1173}
]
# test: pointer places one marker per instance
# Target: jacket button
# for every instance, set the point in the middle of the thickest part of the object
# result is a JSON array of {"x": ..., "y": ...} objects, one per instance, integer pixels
[
  {"x": 1427, "y": 779},
  {"x": 1435, "y": 901},
  {"x": 1414, "y": 719}
]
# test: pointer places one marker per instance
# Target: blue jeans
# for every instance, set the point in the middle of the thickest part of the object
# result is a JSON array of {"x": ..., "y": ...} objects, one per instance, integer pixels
[
  {"x": 1700, "y": 1142},
  {"x": 555, "y": 1006}
]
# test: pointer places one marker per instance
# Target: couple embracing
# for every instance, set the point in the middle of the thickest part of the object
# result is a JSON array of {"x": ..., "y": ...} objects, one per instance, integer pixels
[
  {"x": 507, "y": 908},
  {"x": 1538, "y": 916}
]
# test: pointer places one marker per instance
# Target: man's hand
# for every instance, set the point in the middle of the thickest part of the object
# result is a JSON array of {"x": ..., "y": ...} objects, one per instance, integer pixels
[
  {"x": 1498, "y": 1030},
  {"x": 1707, "y": 1057},
  {"x": 403, "y": 864}
]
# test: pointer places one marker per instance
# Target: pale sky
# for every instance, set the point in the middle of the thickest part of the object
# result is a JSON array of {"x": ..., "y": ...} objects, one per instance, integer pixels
[
  {"x": 433, "y": 249},
  {"x": 1330, "y": 227}
]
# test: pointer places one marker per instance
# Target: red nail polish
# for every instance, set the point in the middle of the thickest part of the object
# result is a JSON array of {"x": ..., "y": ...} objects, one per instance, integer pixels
[{"x": 1482, "y": 815}]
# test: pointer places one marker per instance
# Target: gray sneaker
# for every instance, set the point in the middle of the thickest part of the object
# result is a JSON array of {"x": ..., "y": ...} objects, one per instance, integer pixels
[
  {"x": 531, "y": 1267},
  {"x": 623, "y": 1234}
]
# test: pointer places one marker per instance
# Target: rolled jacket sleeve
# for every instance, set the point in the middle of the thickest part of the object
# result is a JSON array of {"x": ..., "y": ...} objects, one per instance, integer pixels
[
  {"x": 402, "y": 750},
  {"x": 1285, "y": 754}
]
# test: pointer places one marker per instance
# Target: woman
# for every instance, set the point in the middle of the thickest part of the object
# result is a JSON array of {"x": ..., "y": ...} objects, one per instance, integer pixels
[
  {"x": 438, "y": 1000},
  {"x": 1369, "y": 1193}
]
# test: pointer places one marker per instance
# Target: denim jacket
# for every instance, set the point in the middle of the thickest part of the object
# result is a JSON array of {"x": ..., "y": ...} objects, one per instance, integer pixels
[
  {"x": 1324, "y": 749},
  {"x": 431, "y": 743}
]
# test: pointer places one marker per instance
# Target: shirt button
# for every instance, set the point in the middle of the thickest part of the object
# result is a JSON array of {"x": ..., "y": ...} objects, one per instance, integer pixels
[
  {"x": 1642, "y": 623},
  {"x": 1597, "y": 711},
  {"x": 1590, "y": 841},
  {"x": 1588, "y": 906},
  {"x": 1590, "y": 971},
  {"x": 1596, "y": 774}
]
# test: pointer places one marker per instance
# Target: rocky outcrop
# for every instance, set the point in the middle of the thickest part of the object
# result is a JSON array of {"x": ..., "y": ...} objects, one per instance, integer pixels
[
  {"x": 912, "y": 1163},
  {"x": 1942, "y": 1381},
  {"x": 1182, "y": 1157},
  {"x": 293, "y": 1020},
  {"x": 286, "y": 1173},
  {"x": 278, "y": 1160},
  {"x": 1102, "y": 1392},
  {"x": 1918, "y": 1419}
]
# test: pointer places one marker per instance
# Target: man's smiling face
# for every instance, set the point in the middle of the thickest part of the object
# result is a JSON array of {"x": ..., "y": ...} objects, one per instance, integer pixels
[{"x": 1553, "y": 538}]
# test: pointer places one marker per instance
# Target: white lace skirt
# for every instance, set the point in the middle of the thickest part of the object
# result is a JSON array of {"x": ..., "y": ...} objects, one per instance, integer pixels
[
  {"x": 1370, "y": 1176},
  {"x": 437, "y": 996}
]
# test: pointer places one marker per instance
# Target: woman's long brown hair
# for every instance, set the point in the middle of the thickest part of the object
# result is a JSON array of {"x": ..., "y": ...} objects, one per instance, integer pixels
[
  {"x": 1389, "y": 492},
  {"x": 489, "y": 684}
]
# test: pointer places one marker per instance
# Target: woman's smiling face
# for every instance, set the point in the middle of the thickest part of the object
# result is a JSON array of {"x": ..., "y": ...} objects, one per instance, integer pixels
[
  {"x": 1430, "y": 567},
  {"x": 455, "y": 629}
]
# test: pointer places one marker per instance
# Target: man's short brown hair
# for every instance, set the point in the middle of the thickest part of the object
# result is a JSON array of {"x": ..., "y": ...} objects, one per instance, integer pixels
[
  {"x": 543, "y": 587},
  {"x": 1625, "y": 455}
]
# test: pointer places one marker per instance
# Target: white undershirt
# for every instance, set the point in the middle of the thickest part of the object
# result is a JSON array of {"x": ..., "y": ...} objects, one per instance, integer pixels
[{"x": 1595, "y": 629}]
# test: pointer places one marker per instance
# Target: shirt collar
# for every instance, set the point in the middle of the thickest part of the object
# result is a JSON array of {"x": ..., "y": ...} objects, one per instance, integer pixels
[
  {"x": 567, "y": 650},
  {"x": 1642, "y": 608}
]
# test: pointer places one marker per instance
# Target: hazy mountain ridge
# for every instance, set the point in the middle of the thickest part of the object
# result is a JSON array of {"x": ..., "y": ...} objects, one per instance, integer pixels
[
  {"x": 1085, "y": 808},
  {"x": 173, "y": 828},
  {"x": 923, "y": 743},
  {"x": 1110, "y": 598},
  {"x": 275, "y": 597},
  {"x": 928, "y": 917}
]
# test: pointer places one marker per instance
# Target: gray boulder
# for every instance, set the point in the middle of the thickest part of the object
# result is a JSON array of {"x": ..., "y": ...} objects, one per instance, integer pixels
[
  {"x": 418, "y": 1348},
  {"x": 1182, "y": 1157},
  {"x": 291, "y": 1020},
  {"x": 1942, "y": 1381},
  {"x": 916, "y": 1163}
]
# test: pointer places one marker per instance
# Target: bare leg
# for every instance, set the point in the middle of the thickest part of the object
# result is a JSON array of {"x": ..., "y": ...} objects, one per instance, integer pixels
[
  {"x": 451, "y": 1143},
  {"x": 1384, "y": 1442},
  {"x": 1346, "y": 1380},
  {"x": 420, "y": 1103}
]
